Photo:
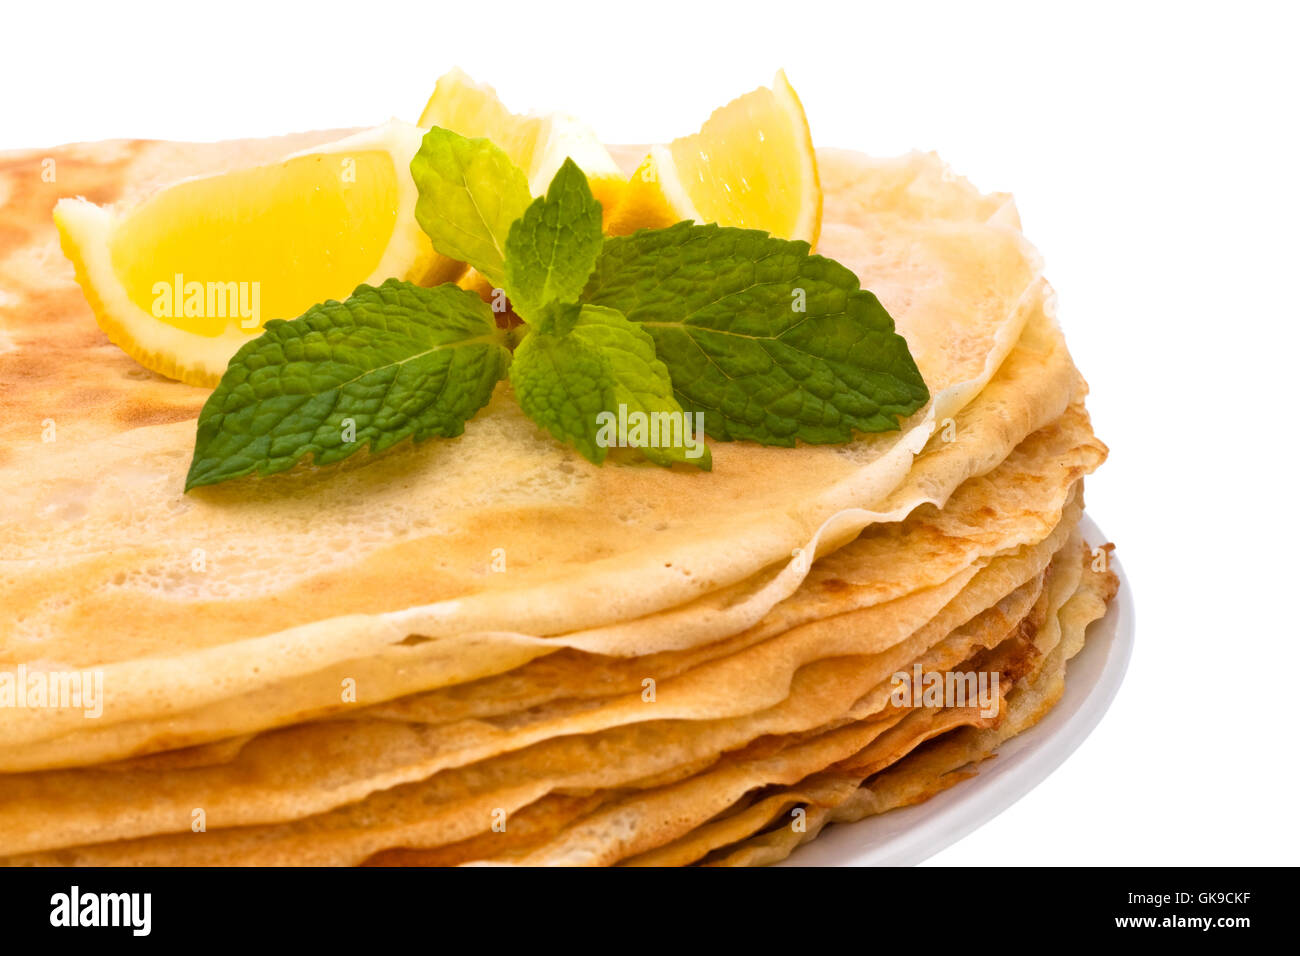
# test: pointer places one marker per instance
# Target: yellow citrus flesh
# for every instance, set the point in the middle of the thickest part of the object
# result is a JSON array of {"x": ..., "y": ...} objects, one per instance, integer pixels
[
  {"x": 752, "y": 165},
  {"x": 185, "y": 278},
  {"x": 474, "y": 109},
  {"x": 295, "y": 229},
  {"x": 537, "y": 143},
  {"x": 644, "y": 204}
]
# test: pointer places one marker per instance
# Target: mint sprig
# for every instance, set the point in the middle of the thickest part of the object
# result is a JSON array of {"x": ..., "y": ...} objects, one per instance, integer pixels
[
  {"x": 771, "y": 343},
  {"x": 628, "y": 342},
  {"x": 553, "y": 246},
  {"x": 388, "y": 363},
  {"x": 469, "y": 195},
  {"x": 574, "y": 372}
]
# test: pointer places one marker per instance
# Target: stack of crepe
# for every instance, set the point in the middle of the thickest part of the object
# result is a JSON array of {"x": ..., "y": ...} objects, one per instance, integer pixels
[{"x": 487, "y": 649}]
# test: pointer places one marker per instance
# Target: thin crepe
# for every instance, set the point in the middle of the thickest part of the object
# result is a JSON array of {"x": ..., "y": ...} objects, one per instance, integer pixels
[
  {"x": 458, "y": 803},
  {"x": 101, "y": 541},
  {"x": 1028, "y": 392},
  {"x": 947, "y": 761}
]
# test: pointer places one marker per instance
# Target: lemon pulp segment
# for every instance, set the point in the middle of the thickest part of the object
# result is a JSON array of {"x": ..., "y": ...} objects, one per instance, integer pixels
[
  {"x": 751, "y": 165},
  {"x": 538, "y": 143},
  {"x": 721, "y": 176},
  {"x": 308, "y": 229}
]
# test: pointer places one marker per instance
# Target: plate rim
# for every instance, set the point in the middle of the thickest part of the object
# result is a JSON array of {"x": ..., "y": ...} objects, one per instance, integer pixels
[{"x": 910, "y": 835}]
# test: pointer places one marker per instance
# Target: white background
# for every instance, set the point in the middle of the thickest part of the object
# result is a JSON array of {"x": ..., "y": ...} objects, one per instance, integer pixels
[{"x": 1153, "y": 151}]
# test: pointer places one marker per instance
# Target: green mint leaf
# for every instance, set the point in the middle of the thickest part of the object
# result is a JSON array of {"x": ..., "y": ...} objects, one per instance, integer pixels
[
  {"x": 470, "y": 193},
  {"x": 552, "y": 248},
  {"x": 583, "y": 370},
  {"x": 772, "y": 344},
  {"x": 388, "y": 363}
]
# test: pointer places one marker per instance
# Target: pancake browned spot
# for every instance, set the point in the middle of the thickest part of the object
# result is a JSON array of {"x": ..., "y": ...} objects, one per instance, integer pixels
[
  {"x": 12, "y": 236},
  {"x": 141, "y": 414},
  {"x": 32, "y": 195}
]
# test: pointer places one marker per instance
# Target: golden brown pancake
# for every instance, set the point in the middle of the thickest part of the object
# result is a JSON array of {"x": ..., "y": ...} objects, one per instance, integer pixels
[{"x": 522, "y": 696}]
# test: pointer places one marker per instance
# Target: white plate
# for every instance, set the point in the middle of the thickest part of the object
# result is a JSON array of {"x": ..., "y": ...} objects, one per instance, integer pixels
[{"x": 907, "y": 836}]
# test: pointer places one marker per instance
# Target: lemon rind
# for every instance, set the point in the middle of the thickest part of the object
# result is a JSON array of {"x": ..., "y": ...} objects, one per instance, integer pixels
[{"x": 809, "y": 225}]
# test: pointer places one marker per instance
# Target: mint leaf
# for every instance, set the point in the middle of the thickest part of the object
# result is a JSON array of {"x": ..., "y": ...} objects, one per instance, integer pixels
[
  {"x": 552, "y": 248},
  {"x": 723, "y": 306},
  {"x": 388, "y": 363},
  {"x": 583, "y": 370},
  {"x": 470, "y": 193}
]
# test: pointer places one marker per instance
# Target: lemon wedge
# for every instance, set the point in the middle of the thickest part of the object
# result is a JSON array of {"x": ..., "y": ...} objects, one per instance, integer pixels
[
  {"x": 183, "y": 279},
  {"x": 537, "y": 143},
  {"x": 752, "y": 164}
]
